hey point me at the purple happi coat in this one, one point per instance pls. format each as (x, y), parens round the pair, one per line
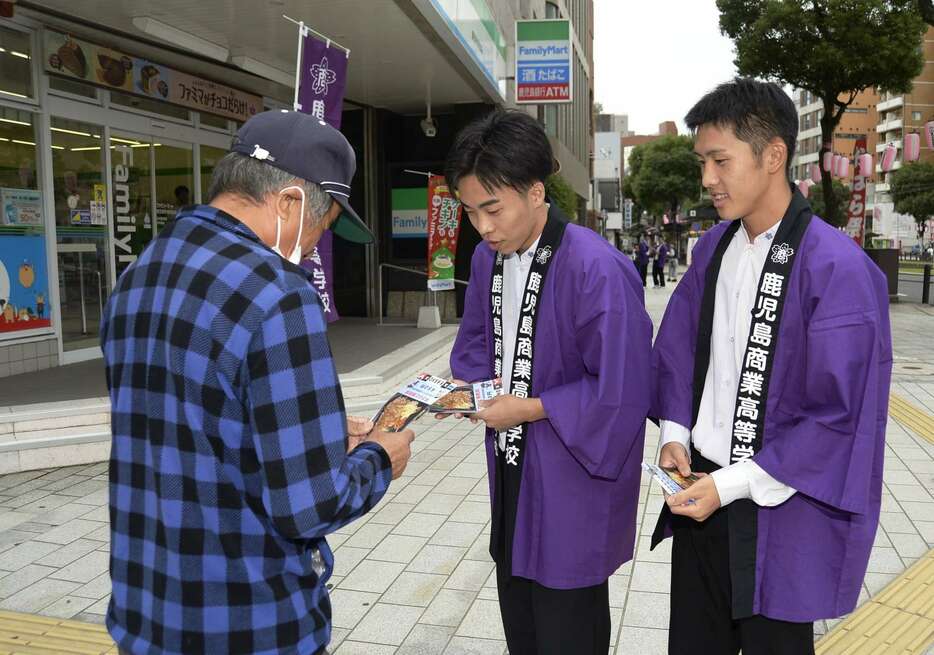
(824, 431)
(576, 510)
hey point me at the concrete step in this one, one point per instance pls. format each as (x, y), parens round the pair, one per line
(47, 435)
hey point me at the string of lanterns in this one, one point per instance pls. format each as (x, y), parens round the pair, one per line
(839, 165)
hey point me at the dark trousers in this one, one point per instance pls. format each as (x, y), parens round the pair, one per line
(701, 618)
(658, 275)
(643, 272)
(542, 621)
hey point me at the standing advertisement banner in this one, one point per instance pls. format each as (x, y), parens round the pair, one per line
(444, 212)
(544, 62)
(322, 76)
(857, 207)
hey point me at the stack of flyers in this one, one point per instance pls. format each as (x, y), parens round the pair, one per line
(670, 480)
(469, 398)
(410, 402)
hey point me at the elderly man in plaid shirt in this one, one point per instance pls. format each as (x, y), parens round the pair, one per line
(232, 458)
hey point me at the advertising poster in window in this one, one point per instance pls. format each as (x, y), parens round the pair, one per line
(24, 283)
(78, 59)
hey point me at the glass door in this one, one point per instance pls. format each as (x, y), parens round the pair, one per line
(152, 180)
(80, 198)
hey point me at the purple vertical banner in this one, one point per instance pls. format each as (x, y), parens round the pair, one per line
(319, 265)
(321, 93)
(321, 85)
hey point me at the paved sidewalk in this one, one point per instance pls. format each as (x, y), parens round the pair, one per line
(414, 576)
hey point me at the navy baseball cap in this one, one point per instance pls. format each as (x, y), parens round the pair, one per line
(312, 150)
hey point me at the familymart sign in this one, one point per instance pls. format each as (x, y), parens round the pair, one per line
(543, 61)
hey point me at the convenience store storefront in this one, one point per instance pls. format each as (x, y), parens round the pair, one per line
(89, 173)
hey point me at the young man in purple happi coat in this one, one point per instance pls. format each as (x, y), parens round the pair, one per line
(771, 373)
(558, 313)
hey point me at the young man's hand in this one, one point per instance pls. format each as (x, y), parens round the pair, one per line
(698, 501)
(675, 456)
(504, 412)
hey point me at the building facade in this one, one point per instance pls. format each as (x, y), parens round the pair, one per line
(94, 160)
(859, 120)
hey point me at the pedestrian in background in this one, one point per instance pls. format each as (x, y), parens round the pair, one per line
(658, 266)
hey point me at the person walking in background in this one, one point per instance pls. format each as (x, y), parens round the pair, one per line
(642, 260)
(672, 265)
(658, 266)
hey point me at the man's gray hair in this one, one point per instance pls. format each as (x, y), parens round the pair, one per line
(253, 179)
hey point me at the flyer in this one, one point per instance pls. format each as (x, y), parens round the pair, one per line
(670, 480)
(469, 398)
(410, 402)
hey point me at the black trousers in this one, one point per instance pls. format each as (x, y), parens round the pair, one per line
(701, 617)
(643, 272)
(658, 275)
(543, 621)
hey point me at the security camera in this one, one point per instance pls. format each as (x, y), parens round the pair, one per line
(429, 127)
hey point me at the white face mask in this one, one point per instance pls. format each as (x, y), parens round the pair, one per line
(296, 255)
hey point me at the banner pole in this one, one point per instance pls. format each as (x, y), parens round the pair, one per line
(298, 64)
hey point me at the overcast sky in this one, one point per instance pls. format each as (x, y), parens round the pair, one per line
(654, 59)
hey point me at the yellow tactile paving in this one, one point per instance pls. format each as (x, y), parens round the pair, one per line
(911, 417)
(900, 619)
(26, 634)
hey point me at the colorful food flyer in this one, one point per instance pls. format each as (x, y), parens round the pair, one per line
(410, 402)
(468, 399)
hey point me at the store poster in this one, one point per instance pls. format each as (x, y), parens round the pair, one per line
(79, 59)
(21, 206)
(24, 283)
(444, 213)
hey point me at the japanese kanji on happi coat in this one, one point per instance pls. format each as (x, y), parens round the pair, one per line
(444, 221)
(322, 69)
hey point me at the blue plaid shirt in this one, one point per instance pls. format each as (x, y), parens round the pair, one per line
(229, 459)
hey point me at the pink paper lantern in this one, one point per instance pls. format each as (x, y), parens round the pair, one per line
(843, 166)
(865, 165)
(804, 188)
(828, 161)
(888, 158)
(912, 146)
(929, 133)
(835, 165)
(815, 173)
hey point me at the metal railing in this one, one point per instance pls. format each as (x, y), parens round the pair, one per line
(433, 295)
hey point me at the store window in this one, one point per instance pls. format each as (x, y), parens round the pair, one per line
(80, 198)
(72, 87)
(152, 106)
(916, 116)
(24, 281)
(212, 120)
(15, 64)
(209, 158)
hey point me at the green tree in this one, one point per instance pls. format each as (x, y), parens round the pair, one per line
(912, 190)
(833, 48)
(841, 195)
(562, 193)
(663, 174)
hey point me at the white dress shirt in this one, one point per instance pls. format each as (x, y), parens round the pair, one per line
(515, 274)
(737, 286)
